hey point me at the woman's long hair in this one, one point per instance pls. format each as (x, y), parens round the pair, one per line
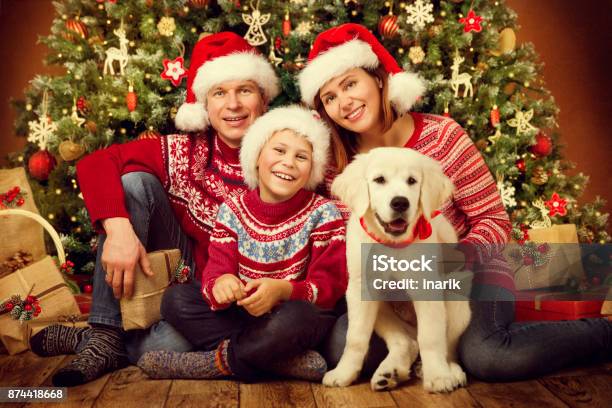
(343, 141)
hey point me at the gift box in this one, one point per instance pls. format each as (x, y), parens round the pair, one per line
(559, 306)
(43, 280)
(564, 261)
(19, 233)
(143, 308)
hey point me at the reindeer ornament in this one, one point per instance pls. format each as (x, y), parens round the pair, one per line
(458, 79)
(117, 54)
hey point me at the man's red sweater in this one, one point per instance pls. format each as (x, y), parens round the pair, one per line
(198, 172)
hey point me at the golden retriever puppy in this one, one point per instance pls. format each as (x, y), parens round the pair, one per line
(388, 190)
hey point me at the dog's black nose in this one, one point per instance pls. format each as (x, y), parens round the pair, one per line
(400, 204)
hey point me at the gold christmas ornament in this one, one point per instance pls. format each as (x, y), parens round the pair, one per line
(434, 30)
(506, 42)
(69, 150)
(166, 26)
(91, 126)
(539, 176)
(416, 54)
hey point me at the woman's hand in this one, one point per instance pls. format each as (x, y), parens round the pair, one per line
(121, 252)
(268, 293)
(228, 288)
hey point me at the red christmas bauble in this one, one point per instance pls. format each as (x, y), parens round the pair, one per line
(527, 260)
(41, 164)
(520, 164)
(199, 3)
(9, 306)
(543, 146)
(88, 288)
(387, 26)
(27, 308)
(82, 104)
(148, 134)
(75, 27)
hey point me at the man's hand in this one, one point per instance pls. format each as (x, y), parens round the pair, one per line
(267, 294)
(121, 253)
(228, 288)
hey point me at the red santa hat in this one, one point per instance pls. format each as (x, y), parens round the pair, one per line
(220, 57)
(294, 117)
(352, 46)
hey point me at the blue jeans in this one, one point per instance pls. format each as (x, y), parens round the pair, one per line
(157, 228)
(495, 348)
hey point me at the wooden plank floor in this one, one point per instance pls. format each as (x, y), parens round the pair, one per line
(584, 387)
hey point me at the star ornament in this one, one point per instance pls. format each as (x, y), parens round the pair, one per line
(174, 70)
(471, 22)
(556, 205)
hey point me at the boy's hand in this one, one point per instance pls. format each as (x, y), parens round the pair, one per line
(228, 288)
(267, 294)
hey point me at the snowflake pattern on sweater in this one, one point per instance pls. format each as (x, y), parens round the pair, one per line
(185, 168)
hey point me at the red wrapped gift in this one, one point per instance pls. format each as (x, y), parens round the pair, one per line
(84, 302)
(566, 306)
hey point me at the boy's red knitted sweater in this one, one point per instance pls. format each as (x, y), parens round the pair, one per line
(198, 171)
(300, 240)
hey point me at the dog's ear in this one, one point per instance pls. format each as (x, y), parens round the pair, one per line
(351, 186)
(436, 188)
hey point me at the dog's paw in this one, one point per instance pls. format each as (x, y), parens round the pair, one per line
(339, 377)
(443, 383)
(458, 373)
(386, 378)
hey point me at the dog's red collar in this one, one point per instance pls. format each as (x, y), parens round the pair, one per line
(422, 230)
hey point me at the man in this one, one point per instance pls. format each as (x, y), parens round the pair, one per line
(162, 193)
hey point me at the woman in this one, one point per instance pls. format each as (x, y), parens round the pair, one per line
(360, 91)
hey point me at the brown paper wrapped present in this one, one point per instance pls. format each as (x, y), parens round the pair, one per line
(565, 260)
(43, 280)
(20, 233)
(142, 309)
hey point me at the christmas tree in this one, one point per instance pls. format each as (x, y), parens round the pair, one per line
(125, 61)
